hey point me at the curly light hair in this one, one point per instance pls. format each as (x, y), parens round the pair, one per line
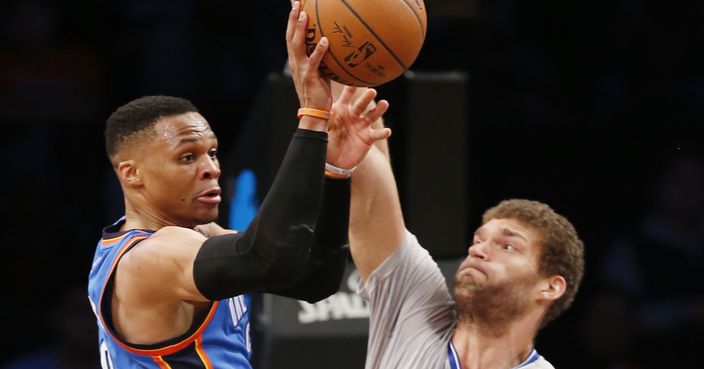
(562, 252)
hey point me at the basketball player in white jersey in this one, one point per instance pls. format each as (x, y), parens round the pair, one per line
(522, 269)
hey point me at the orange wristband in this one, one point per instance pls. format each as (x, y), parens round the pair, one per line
(332, 175)
(324, 114)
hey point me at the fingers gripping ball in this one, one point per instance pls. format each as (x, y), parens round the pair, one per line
(371, 41)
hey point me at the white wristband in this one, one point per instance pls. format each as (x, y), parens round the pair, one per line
(344, 173)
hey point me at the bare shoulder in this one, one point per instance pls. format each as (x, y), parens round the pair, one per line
(176, 236)
(165, 256)
(153, 282)
(164, 244)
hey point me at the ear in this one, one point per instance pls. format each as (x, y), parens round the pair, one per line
(552, 288)
(129, 174)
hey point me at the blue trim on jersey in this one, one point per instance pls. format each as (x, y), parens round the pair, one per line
(531, 358)
(455, 360)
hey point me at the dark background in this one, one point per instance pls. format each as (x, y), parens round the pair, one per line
(595, 107)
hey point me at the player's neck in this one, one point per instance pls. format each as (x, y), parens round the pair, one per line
(145, 217)
(484, 347)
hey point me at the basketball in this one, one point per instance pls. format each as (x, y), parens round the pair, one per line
(371, 41)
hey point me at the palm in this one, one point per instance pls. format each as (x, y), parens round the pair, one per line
(351, 134)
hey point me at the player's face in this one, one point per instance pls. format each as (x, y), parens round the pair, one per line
(502, 263)
(180, 169)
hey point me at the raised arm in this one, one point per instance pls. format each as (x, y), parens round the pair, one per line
(302, 213)
(353, 138)
(376, 222)
(182, 264)
(284, 229)
(326, 265)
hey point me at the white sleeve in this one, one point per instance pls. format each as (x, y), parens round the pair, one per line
(411, 310)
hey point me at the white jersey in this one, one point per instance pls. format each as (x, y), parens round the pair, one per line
(412, 318)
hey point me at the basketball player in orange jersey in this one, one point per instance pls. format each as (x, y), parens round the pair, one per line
(522, 269)
(166, 295)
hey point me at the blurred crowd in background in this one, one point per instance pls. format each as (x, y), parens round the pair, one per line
(595, 107)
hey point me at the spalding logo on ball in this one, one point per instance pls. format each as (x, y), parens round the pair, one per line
(371, 41)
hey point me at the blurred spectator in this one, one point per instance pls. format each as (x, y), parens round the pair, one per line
(45, 78)
(606, 333)
(658, 265)
(72, 330)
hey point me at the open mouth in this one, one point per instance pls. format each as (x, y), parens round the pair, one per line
(212, 193)
(210, 196)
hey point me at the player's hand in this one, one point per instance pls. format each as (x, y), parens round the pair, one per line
(351, 135)
(212, 229)
(313, 90)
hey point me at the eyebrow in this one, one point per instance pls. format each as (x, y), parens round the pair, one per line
(511, 233)
(191, 139)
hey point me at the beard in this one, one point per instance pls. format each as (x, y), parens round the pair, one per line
(493, 306)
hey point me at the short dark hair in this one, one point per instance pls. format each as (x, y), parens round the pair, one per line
(137, 116)
(562, 252)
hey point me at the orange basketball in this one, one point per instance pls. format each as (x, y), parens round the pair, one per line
(371, 41)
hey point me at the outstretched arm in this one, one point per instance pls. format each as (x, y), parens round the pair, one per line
(376, 222)
(329, 251)
(354, 137)
(285, 227)
(274, 250)
(376, 225)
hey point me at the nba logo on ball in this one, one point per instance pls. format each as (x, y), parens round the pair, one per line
(371, 42)
(361, 54)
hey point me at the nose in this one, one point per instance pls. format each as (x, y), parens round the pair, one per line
(210, 169)
(478, 250)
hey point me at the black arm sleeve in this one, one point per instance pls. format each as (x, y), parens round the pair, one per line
(330, 252)
(274, 251)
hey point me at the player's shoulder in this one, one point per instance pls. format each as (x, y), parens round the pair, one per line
(171, 232)
(164, 243)
(174, 235)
